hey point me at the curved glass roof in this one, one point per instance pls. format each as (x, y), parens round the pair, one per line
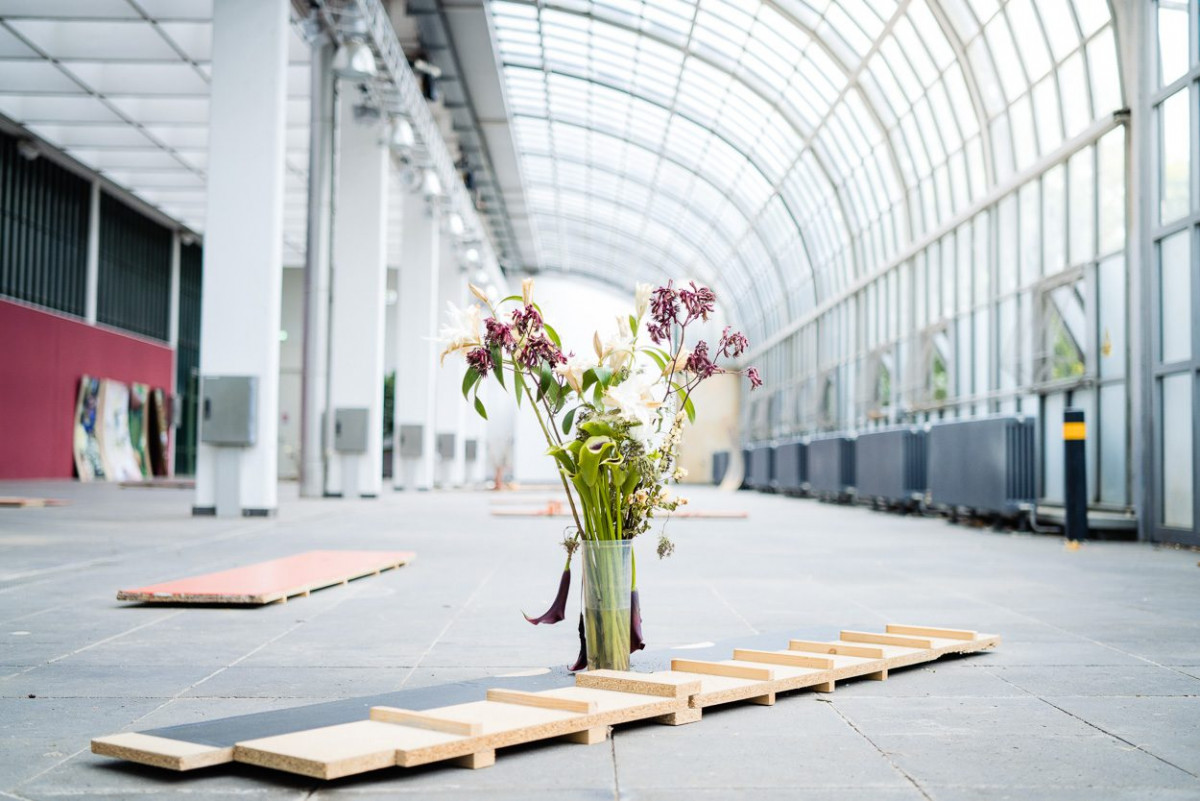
(783, 149)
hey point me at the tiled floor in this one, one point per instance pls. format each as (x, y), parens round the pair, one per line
(1095, 693)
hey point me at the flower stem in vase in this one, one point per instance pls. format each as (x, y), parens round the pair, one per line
(606, 603)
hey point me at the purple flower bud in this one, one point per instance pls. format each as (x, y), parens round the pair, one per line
(732, 345)
(480, 360)
(557, 610)
(699, 301)
(755, 381)
(699, 363)
(581, 660)
(498, 334)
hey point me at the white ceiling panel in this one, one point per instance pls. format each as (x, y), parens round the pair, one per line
(93, 136)
(49, 108)
(35, 76)
(68, 9)
(109, 78)
(126, 40)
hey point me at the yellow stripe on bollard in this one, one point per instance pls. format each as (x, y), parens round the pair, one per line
(1074, 430)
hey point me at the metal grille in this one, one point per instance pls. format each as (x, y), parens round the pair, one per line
(43, 231)
(135, 271)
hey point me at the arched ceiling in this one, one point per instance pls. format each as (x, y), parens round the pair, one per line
(782, 149)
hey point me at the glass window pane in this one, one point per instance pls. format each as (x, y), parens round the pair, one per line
(1175, 137)
(1053, 250)
(1008, 344)
(1006, 244)
(1031, 233)
(1112, 316)
(1052, 447)
(1113, 449)
(1175, 289)
(1173, 32)
(1177, 457)
(1112, 191)
(1083, 205)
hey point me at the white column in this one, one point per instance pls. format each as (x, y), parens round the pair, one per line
(92, 276)
(449, 377)
(243, 243)
(173, 313)
(417, 348)
(315, 373)
(359, 289)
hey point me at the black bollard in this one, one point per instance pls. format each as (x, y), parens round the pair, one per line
(1075, 463)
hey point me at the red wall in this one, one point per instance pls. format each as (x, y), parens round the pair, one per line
(42, 356)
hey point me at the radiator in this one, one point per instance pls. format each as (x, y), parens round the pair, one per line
(891, 465)
(720, 466)
(760, 470)
(987, 465)
(831, 465)
(791, 467)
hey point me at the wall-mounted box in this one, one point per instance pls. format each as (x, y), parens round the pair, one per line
(471, 447)
(410, 441)
(227, 410)
(350, 430)
(445, 446)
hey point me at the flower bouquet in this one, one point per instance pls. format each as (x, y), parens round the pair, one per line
(612, 422)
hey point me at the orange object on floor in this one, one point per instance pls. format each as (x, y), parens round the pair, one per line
(271, 582)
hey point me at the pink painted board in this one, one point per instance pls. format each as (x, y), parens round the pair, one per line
(272, 581)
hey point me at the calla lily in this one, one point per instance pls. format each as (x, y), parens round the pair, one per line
(636, 643)
(581, 660)
(557, 610)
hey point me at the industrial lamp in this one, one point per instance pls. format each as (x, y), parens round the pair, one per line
(354, 61)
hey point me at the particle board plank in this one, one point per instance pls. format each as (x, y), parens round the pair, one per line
(665, 684)
(407, 717)
(161, 752)
(273, 581)
(545, 701)
(886, 639)
(926, 631)
(791, 659)
(835, 648)
(751, 672)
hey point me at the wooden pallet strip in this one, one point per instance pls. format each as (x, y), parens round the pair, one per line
(407, 717)
(664, 685)
(781, 658)
(160, 752)
(542, 701)
(886, 639)
(723, 669)
(835, 648)
(926, 631)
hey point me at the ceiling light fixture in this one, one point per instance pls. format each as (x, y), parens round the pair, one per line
(354, 61)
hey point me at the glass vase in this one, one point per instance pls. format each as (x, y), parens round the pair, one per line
(606, 599)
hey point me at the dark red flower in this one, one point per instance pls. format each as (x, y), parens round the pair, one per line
(755, 381)
(699, 363)
(700, 301)
(664, 305)
(581, 660)
(498, 334)
(557, 610)
(480, 360)
(659, 333)
(732, 345)
(636, 643)
(526, 320)
(540, 349)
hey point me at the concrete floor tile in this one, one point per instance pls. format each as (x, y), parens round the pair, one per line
(1124, 680)
(997, 716)
(67, 680)
(1168, 727)
(1049, 793)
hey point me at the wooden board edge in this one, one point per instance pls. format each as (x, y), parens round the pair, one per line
(148, 749)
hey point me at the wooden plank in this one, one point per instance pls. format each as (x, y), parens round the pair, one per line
(886, 639)
(927, 631)
(406, 717)
(835, 648)
(780, 658)
(542, 701)
(722, 669)
(592, 736)
(272, 581)
(9, 502)
(664, 684)
(477, 760)
(160, 752)
(332, 752)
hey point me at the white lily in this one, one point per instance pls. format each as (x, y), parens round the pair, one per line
(461, 331)
(527, 291)
(617, 349)
(573, 371)
(635, 399)
(641, 299)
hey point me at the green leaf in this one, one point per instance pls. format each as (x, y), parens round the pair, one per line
(512, 297)
(469, 380)
(568, 420)
(689, 408)
(633, 325)
(589, 378)
(498, 360)
(479, 408)
(550, 332)
(603, 375)
(518, 385)
(545, 379)
(659, 360)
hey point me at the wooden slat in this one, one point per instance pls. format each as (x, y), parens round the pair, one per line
(776, 658)
(542, 701)
(663, 685)
(886, 639)
(161, 752)
(835, 648)
(721, 669)
(406, 717)
(927, 631)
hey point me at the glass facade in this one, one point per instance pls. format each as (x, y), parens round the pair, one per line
(1174, 276)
